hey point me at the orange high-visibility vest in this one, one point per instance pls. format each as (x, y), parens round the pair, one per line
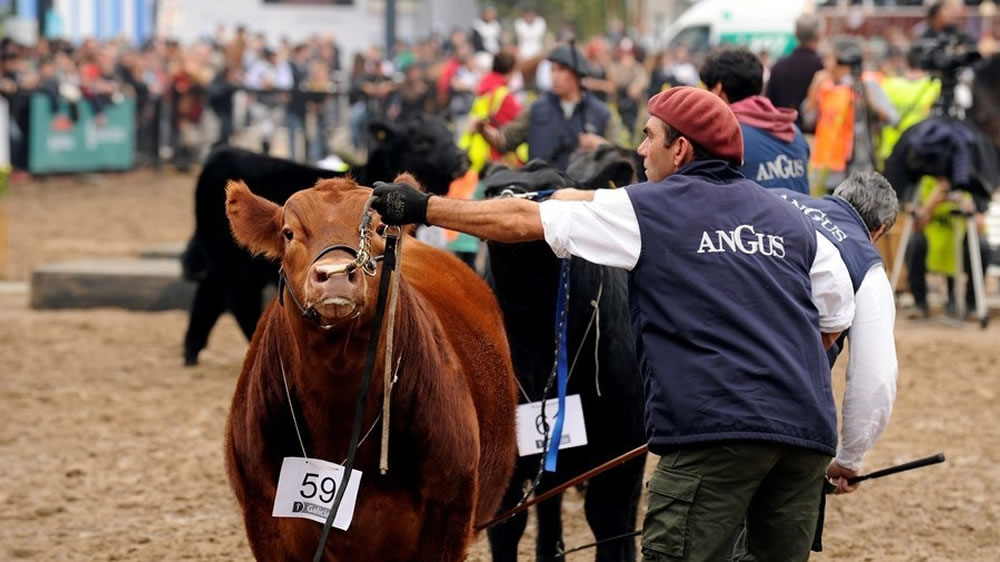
(834, 128)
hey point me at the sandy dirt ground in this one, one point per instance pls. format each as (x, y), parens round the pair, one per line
(111, 450)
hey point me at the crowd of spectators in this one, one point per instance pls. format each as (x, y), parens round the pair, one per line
(299, 87)
(172, 85)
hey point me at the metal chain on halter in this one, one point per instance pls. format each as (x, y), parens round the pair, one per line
(563, 314)
(364, 260)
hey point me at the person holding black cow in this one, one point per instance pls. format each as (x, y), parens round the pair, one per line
(560, 121)
(734, 297)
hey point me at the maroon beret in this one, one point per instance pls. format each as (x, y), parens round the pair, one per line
(703, 118)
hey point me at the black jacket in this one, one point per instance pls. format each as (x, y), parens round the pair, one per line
(790, 78)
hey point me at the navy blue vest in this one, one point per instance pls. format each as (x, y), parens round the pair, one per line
(841, 224)
(773, 163)
(552, 137)
(721, 304)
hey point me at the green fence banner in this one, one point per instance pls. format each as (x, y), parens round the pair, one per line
(778, 43)
(57, 143)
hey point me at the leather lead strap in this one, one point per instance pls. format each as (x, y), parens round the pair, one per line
(388, 268)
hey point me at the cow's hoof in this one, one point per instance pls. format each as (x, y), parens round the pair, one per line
(190, 360)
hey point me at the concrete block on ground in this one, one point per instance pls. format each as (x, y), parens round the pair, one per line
(171, 250)
(134, 284)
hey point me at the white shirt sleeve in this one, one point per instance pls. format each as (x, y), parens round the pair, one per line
(871, 369)
(832, 290)
(604, 231)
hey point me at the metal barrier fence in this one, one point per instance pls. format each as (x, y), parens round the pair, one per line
(50, 134)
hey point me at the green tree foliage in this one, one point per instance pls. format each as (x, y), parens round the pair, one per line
(586, 17)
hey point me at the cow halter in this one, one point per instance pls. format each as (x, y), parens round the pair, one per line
(363, 260)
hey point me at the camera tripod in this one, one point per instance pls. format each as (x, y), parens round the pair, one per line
(962, 211)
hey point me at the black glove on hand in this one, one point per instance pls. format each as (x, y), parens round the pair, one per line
(400, 203)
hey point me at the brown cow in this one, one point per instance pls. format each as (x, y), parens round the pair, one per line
(452, 444)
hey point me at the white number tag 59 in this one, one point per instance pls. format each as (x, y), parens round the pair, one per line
(307, 487)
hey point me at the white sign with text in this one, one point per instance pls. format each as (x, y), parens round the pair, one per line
(307, 487)
(531, 431)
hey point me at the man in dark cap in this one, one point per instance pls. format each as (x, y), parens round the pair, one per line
(734, 297)
(560, 121)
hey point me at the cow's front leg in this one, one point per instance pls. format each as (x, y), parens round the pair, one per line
(448, 524)
(611, 505)
(549, 541)
(207, 307)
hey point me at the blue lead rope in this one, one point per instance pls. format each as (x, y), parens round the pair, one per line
(562, 367)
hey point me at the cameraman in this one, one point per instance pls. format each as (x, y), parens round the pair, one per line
(849, 111)
(942, 17)
(932, 246)
(912, 93)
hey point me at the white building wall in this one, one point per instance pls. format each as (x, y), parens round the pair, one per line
(355, 27)
(659, 14)
(87, 19)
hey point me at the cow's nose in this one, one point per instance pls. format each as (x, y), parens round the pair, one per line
(333, 280)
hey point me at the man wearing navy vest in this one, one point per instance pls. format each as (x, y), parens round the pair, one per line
(859, 212)
(775, 154)
(733, 297)
(560, 121)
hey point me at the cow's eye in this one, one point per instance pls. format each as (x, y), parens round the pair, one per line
(288, 234)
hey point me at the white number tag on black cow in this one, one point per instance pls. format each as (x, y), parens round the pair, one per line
(307, 487)
(531, 432)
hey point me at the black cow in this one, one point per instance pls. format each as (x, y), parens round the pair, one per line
(525, 278)
(228, 277)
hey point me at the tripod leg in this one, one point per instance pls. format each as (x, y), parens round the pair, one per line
(908, 223)
(958, 289)
(976, 264)
(897, 262)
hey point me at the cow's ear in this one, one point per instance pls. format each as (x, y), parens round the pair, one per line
(407, 177)
(256, 222)
(381, 131)
(622, 174)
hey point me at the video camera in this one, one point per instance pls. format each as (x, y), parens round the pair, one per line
(849, 54)
(945, 53)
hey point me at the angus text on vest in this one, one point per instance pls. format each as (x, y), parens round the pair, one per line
(781, 167)
(820, 217)
(742, 239)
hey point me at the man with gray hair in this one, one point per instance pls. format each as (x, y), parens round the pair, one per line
(791, 76)
(861, 210)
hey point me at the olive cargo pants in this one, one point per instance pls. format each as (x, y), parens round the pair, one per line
(699, 495)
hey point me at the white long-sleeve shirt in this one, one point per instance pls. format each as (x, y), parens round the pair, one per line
(871, 369)
(606, 231)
